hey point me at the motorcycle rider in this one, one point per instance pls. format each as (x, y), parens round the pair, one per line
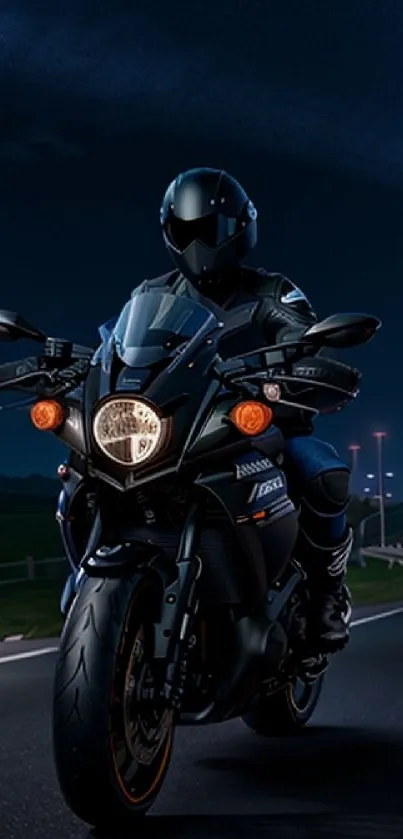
(209, 225)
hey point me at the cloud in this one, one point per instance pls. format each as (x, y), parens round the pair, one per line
(34, 144)
(301, 78)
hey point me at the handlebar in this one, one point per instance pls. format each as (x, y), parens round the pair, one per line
(40, 375)
(61, 368)
(253, 363)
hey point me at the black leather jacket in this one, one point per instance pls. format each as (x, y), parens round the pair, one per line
(284, 314)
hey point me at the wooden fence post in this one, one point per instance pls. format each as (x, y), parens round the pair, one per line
(31, 567)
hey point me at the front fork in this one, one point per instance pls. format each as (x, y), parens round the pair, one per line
(71, 483)
(173, 630)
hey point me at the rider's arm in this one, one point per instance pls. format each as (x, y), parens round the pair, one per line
(285, 315)
(286, 312)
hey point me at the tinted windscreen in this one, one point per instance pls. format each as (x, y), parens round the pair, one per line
(153, 324)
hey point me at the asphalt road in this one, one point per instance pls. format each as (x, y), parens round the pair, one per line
(343, 777)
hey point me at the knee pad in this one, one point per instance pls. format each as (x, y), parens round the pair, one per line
(328, 493)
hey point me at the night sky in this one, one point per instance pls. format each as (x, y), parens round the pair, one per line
(102, 103)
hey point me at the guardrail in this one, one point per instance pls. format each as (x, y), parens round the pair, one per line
(56, 567)
(393, 554)
(32, 569)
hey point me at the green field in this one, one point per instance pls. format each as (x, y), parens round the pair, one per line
(32, 608)
(376, 583)
(29, 534)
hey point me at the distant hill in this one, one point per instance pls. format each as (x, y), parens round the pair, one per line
(33, 494)
(13, 502)
(32, 485)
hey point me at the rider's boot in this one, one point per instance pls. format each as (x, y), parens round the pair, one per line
(330, 596)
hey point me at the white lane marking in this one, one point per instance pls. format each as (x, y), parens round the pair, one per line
(377, 617)
(31, 654)
(34, 653)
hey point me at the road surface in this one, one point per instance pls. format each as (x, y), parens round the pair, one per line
(343, 777)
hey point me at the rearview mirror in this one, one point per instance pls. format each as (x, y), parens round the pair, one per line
(13, 327)
(343, 330)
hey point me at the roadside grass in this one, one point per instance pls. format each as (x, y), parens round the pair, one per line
(31, 609)
(376, 583)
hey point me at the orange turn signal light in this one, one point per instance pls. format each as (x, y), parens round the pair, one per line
(252, 417)
(47, 415)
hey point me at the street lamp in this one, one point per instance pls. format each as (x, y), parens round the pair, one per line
(354, 448)
(379, 437)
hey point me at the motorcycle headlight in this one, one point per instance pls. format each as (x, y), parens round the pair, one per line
(129, 431)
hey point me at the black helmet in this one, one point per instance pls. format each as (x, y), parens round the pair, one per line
(208, 222)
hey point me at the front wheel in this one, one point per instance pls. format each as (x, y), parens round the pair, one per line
(112, 739)
(286, 711)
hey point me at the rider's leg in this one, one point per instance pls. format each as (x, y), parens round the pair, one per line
(320, 481)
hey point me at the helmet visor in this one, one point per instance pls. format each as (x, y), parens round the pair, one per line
(211, 230)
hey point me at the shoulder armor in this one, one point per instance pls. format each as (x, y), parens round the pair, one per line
(286, 297)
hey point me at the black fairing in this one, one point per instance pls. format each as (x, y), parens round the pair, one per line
(163, 349)
(196, 393)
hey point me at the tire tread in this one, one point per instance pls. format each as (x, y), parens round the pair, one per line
(89, 644)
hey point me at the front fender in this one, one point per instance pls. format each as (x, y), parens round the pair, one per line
(119, 560)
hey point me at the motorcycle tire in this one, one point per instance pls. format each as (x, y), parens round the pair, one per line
(287, 711)
(112, 746)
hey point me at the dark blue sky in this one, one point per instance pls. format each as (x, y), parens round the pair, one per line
(101, 103)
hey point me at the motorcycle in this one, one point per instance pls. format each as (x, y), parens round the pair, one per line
(172, 614)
